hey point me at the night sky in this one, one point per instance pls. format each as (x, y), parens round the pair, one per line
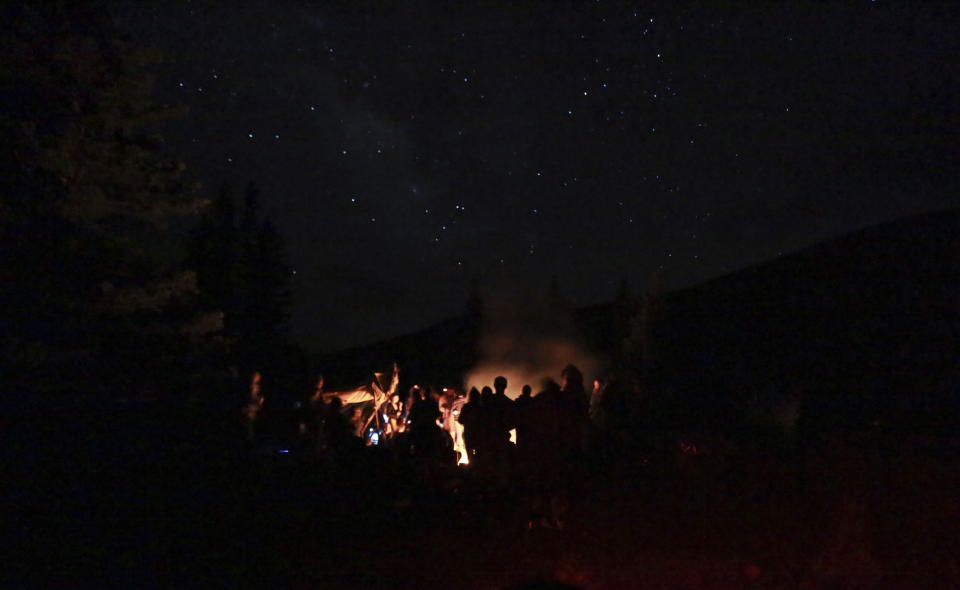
(407, 150)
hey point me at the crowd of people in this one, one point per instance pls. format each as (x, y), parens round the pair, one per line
(534, 441)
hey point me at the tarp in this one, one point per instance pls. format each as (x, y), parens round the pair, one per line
(378, 390)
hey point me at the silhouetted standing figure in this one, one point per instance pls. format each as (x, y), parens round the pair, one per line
(392, 412)
(572, 387)
(502, 421)
(544, 464)
(470, 419)
(337, 428)
(559, 424)
(423, 423)
(254, 406)
(578, 401)
(544, 425)
(521, 411)
(339, 443)
(485, 432)
(596, 403)
(596, 439)
(413, 396)
(313, 416)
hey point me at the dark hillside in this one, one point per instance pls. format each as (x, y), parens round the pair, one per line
(864, 327)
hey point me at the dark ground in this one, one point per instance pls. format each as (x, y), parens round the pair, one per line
(108, 507)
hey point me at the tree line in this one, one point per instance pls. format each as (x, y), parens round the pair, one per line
(119, 279)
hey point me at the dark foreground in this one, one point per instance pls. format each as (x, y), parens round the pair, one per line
(117, 510)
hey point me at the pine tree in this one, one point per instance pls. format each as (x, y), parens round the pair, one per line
(215, 253)
(263, 291)
(243, 275)
(95, 288)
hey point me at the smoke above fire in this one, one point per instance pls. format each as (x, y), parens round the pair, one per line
(527, 340)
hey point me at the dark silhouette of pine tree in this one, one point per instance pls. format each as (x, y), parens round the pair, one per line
(215, 250)
(250, 216)
(244, 275)
(263, 288)
(97, 296)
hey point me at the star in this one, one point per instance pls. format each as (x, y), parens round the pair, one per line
(408, 115)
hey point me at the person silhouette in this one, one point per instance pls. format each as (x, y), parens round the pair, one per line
(469, 418)
(254, 405)
(502, 420)
(560, 419)
(338, 432)
(521, 413)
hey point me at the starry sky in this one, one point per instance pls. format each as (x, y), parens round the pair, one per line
(408, 150)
